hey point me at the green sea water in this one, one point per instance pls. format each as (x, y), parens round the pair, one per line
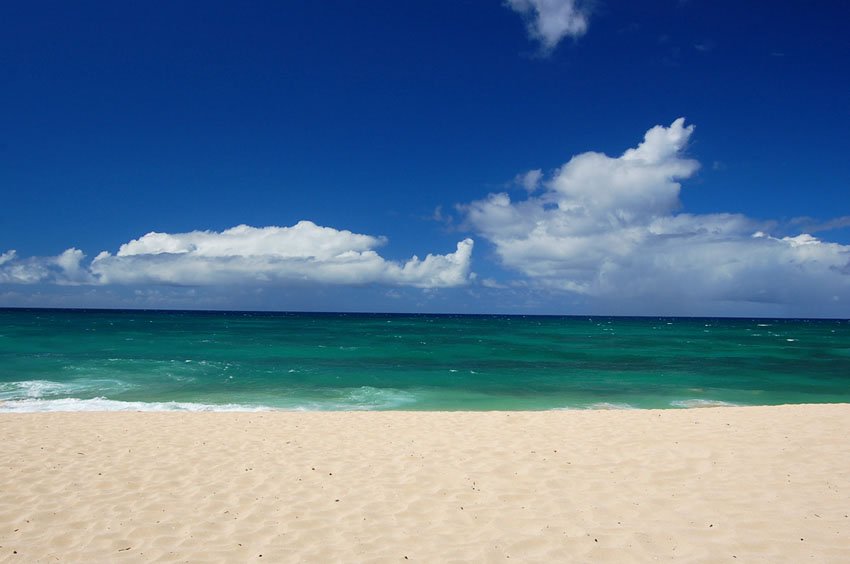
(64, 360)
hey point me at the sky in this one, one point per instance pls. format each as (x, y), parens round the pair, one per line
(674, 157)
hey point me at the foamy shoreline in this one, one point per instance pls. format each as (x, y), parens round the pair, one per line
(744, 484)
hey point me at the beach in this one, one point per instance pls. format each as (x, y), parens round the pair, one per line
(741, 484)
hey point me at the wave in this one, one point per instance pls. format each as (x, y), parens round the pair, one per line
(598, 405)
(99, 394)
(609, 405)
(46, 395)
(692, 403)
(365, 398)
(103, 404)
(34, 389)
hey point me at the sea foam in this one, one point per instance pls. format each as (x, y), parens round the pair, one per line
(33, 389)
(365, 398)
(103, 404)
(609, 405)
(691, 403)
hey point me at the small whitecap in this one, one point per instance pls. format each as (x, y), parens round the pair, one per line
(29, 389)
(367, 398)
(609, 405)
(36, 389)
(692, 403)
(103, 404)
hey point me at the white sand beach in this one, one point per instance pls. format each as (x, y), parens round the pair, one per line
(752, 484)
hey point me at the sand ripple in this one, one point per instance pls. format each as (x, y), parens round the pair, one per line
(744, 484)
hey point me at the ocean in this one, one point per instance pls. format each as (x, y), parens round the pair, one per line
(76, 360)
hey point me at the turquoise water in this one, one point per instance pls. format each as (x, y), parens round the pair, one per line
(114, 360)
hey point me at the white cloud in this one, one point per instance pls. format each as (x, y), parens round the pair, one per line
(609, 228)
(529, 180)
(16, 271)
(549, 21)
(303, 240)
(304, 252)
(65, 269)
(8, 256)
(71, 269)
(492, 284)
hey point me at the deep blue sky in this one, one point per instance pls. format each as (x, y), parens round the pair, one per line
(120, 119)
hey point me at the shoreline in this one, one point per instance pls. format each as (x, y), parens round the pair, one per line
(105, 405)
(768, 483)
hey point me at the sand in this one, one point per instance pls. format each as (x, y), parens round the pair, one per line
(756, 484)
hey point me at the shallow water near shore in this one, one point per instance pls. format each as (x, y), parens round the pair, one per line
(71, 360)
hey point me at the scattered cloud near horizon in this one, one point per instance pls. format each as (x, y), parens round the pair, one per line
(549, 21)
(610, 228)
(602, 229)
(305, 252)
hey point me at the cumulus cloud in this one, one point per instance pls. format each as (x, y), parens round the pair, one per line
(13, 270)
(529, 180)
(304, 252)
(549, 21)
(71, 270)
(611, 227)
(8, 256)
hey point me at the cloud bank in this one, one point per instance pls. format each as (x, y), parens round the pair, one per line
(603, 233)
(549, 21)
(610, 228)
(304, 252)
